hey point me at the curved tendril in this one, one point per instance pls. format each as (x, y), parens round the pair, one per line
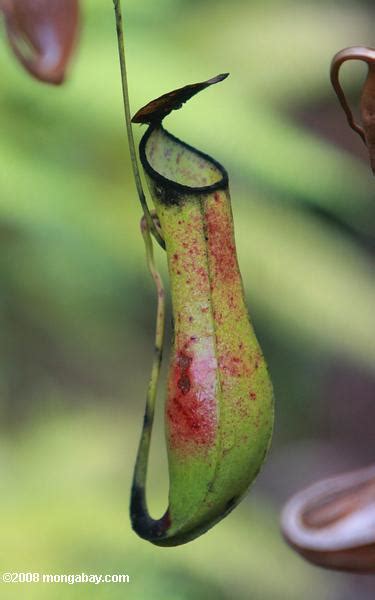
(138, 505)
(367, 55)
(125, 95)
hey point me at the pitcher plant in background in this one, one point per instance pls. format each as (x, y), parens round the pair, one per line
(332, 523)
(219, 408)
(367, 104)
(42, 35)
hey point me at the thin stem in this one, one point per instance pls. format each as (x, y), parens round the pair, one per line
(125, 95)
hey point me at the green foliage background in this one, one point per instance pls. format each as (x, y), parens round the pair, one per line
(77, 305)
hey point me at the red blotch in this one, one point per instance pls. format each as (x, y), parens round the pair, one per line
(184, 384)
(190, 407)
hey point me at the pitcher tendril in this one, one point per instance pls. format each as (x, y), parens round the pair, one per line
(138, 496)
(125, 96)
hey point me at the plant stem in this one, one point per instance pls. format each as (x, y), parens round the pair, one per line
(125, 95)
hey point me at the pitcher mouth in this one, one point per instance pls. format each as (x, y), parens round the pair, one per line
(173, 164)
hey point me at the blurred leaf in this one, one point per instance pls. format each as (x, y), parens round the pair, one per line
(308, 279)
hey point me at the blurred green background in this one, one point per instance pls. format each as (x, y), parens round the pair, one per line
(77, 304)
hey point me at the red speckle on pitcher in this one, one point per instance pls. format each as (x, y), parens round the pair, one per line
(220, 240)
